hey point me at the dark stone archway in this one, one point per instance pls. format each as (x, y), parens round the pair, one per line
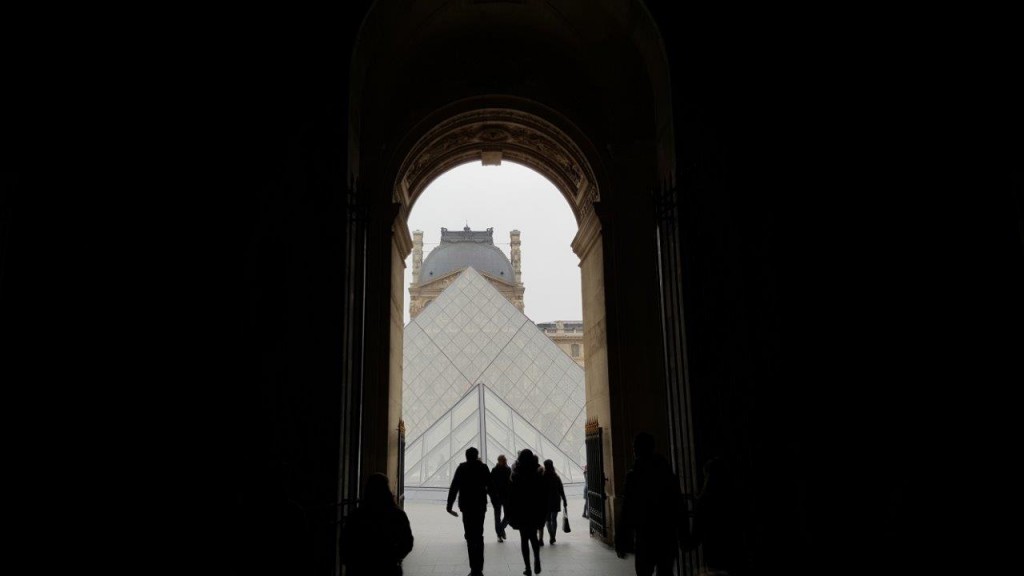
(772, 190)
(608, 151)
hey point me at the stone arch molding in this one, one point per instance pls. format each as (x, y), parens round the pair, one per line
(490, 136)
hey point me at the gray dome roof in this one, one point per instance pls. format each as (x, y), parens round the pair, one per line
(449, 257)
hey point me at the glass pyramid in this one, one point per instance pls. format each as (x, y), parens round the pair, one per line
(476, 367)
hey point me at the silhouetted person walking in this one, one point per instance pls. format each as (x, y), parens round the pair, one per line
(376, 536)
(470, 484)
(651, 511)
(527, 506)
(586, 494)
(555, 498)
(498, 489)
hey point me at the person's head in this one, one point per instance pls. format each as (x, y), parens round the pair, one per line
(502, 461)
(643, 445)
(549, 467)
(526, 459)
(378, 491)
(472, 454)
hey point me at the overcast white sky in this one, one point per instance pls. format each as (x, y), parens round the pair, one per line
(508, 197)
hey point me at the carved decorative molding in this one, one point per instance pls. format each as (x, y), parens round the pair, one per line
(402, 238)
(587, 236)
(500, 134)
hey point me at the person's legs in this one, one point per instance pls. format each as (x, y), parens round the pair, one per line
(536, 543)
(498, 528)
(473, 524)
(644, 566)
(666, 564)
(525, 547)
(504, 522)
(645, 560)
(552, 525)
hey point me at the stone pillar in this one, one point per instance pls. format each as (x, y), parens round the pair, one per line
(682, 444)
(517, 257)
(400, 247)
(417, 255)
(415, 303)
(387, 245)
(588, 245)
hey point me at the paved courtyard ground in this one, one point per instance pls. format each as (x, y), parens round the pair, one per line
(440, 549)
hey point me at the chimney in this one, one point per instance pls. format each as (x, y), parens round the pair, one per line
(517, 257)
(417, 255)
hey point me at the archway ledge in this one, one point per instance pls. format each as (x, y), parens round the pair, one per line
(494, 134)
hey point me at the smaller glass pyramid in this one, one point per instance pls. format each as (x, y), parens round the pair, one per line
(431, 458)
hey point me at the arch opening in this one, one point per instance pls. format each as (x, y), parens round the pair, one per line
(579, 93)
(513, 229)
(492, 136)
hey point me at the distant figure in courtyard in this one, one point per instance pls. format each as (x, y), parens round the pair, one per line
(586, 494)
(651, 510)
(540, 531)
(376, 536)
(714, 517)
(470, 484)
(498, 490)
(527, 506)
(555, 496)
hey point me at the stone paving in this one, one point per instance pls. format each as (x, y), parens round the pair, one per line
(440, 548)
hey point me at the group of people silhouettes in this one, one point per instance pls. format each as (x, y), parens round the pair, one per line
(528, 496)
(525, 496)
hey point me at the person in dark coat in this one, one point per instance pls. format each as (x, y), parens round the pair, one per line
(556, 501)
(586, 494)
(376, 536)
(651, 511)
(470, 484)
(527, 506)
(498, 490)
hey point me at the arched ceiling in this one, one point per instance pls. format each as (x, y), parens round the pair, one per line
(493, 135)
(598, 63)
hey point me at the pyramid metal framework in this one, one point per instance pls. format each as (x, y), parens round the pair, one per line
(476, 367)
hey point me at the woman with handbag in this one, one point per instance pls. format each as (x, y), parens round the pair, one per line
(555, 499)
(527, 505)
